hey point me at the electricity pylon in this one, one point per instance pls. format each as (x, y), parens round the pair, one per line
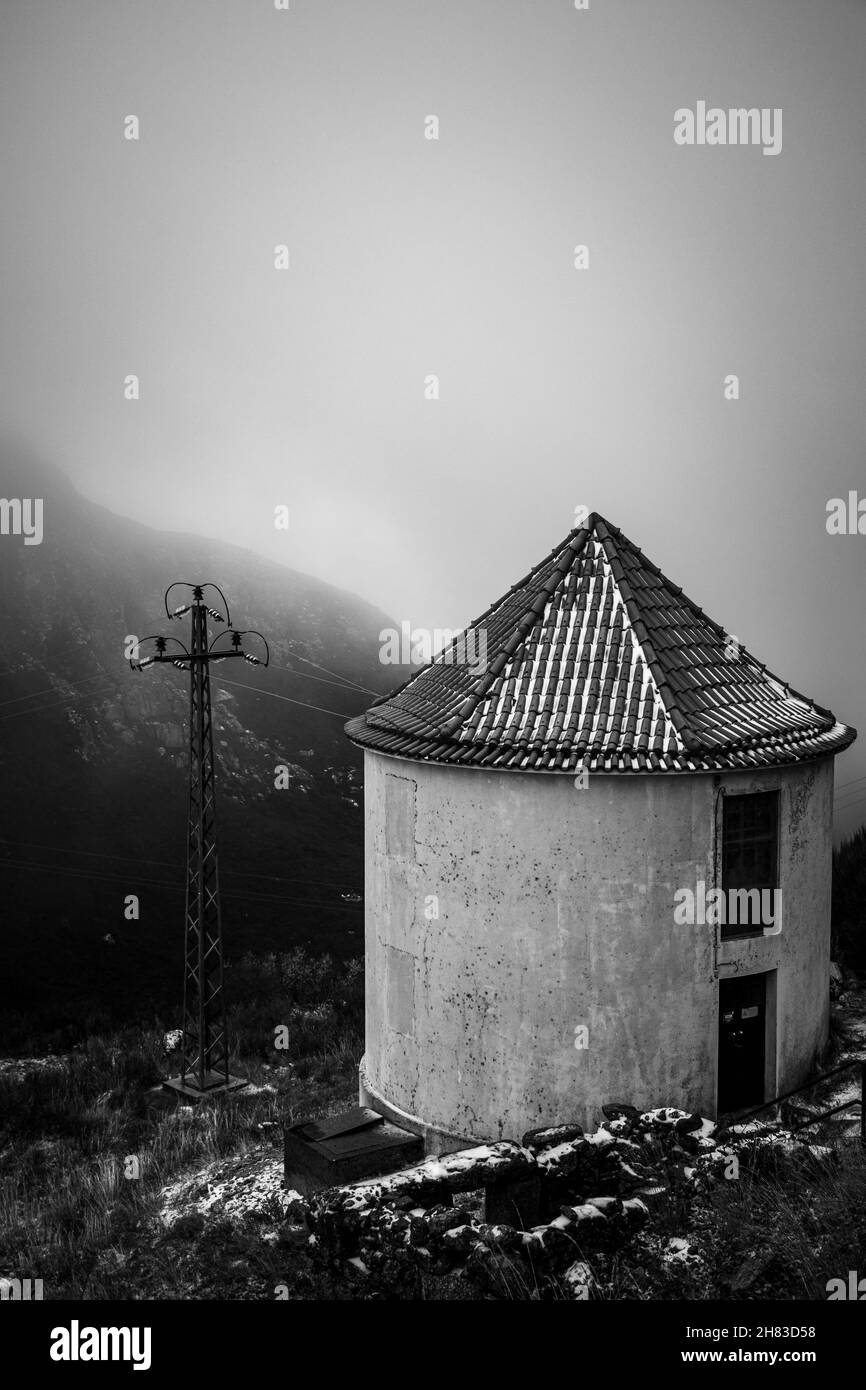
(205, 1051)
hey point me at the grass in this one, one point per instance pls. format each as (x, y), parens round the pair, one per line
(809, 1228)
(75, 1135)
(767, 1236)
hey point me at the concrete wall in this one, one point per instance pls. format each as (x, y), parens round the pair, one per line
(555, 913)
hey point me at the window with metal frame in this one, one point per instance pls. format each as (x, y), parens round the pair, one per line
(750, 855)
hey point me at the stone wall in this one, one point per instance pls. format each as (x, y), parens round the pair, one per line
(504, 1215)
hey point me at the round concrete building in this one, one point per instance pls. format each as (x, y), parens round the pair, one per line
(598, 860)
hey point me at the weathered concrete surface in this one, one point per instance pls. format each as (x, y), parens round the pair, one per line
(556, 912)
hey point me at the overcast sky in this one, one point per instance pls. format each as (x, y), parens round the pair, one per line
(559, 387)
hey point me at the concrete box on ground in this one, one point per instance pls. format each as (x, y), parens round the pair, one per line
(344, 1148)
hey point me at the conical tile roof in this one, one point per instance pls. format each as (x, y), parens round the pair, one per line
(596, 659)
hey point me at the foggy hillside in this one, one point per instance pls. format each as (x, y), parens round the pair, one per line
(93, 756)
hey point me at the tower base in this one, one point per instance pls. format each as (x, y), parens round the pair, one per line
(215, 1085)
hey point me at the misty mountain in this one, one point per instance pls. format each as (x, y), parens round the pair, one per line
(93, 757)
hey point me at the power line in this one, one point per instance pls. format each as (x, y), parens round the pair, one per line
(49, 690)
(240, 685)
(171, 887)
(297, 657)
(87, 873)
(856, 794)
(851, 783)
(306, 676)
(16, 714)
(287, 670)
(175, 864)
(338, 714)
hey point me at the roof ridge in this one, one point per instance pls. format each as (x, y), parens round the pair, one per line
(680, 593)
(641, 634)
(582, 534)
(574, 542)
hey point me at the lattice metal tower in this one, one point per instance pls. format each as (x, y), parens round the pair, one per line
(205, 1049)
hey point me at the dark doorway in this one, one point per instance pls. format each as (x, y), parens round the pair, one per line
(742, 1041)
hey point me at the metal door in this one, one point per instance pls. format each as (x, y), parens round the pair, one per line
(742, 1041)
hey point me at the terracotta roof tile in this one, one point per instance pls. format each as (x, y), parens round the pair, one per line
(595, 657)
